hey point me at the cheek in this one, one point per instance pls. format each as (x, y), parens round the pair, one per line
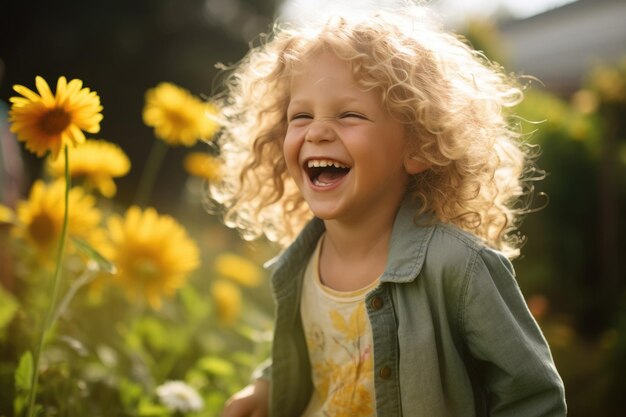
(291, 150)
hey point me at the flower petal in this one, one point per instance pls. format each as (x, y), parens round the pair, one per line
(44, 91)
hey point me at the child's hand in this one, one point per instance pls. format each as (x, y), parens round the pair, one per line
(252, 401)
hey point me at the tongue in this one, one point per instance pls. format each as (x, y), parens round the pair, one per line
(329, 176)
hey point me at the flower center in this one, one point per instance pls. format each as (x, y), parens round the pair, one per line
(178, 119)
(54, 121)
(146, 269)
(42, 229)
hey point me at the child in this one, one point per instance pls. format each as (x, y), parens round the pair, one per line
(383, 139)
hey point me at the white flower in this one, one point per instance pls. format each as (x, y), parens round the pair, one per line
(178, 396)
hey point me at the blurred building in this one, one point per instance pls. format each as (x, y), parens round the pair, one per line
(562, 44)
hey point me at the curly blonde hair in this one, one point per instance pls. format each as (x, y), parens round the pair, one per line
(450, 97)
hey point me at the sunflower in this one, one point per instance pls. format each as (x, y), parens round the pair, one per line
(227, 298)
(152, 252)
(97, 161)
(47, 122)
(178, 117)
(202, 165)
(40, 218)
(238, 268)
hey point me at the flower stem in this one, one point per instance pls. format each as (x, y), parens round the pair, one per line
(150, 171)
(50, 316)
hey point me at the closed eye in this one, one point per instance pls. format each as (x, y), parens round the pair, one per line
(300, 116)
(353, 114)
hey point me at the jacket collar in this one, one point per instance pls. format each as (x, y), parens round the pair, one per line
(409, 241)
(407, 248)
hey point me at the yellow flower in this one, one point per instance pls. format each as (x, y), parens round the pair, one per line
(47, 122)
(97, 161)
(6, 214)
(227, 297)
(202, 165)
(40, 218)
(177, 117)
(238, 268)
(610, 83)
(585, 101)
(152, 252)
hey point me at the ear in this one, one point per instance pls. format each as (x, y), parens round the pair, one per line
(413, 165)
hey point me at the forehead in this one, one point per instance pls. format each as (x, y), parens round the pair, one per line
(322, 69)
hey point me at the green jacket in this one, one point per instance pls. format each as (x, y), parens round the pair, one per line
(452, 333)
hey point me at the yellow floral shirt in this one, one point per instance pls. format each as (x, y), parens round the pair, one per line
(339, 339)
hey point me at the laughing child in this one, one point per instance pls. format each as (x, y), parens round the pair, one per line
(378, 150)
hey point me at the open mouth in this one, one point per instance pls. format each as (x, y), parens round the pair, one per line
(325, 172)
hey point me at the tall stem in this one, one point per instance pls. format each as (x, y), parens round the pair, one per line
(150, 172)
(50, 316)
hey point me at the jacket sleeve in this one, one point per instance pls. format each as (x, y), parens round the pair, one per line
(501, 334)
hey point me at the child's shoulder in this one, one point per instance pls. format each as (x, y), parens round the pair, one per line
(438, 249)
(457, 265)
(454, 251)
(454, 237)
(453, 241)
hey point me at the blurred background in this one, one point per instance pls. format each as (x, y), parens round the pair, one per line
(573, 268)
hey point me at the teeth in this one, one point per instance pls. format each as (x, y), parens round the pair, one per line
(322, 163)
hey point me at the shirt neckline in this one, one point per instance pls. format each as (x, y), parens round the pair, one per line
(337, 295)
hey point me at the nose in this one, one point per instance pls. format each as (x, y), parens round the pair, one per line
(320, 130)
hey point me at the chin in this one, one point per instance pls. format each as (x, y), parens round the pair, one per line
(324, 213)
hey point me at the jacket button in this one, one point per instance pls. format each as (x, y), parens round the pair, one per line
(385, 372)
(376, 303)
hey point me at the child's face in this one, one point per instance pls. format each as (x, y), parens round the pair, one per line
(344, 151)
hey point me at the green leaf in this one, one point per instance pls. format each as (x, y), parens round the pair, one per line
(149, 409)
(253, 334)
(23, 382)
(130, 392)
(194, 304)
(216, 366)
(8, 307)
(243, 358)
(196, 378)
(24, 372)
(19, 404)
(155, 334)
(103, 263)
(214, 401)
